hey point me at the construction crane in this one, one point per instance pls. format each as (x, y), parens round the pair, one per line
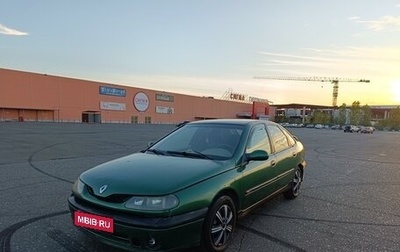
(334, 81)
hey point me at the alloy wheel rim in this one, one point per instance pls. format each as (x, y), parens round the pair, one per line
(296, 182)
(222, 226)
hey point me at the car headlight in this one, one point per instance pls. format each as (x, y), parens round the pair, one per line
(79, 186)
(152, 203)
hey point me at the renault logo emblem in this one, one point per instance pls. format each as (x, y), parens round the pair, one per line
(103, 188)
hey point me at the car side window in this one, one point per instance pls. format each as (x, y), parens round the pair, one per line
(278, 138)
(289, 137)
(258, 140)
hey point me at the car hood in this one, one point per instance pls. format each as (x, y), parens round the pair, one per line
(150, 174)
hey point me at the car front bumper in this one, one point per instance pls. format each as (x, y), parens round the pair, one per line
(137, 233)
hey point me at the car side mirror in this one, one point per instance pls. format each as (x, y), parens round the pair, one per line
(257, 155)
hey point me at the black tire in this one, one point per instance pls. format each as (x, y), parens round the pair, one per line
(294, 185)
(219, 225)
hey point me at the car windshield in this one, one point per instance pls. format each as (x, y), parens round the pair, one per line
(205, 141)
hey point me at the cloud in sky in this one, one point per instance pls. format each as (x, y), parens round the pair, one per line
(8, 31)
(354, 18)
(353, 61)
(386, 23)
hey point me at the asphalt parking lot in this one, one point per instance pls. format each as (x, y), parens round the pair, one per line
(349, 199)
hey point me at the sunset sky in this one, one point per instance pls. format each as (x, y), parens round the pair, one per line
(206, 48)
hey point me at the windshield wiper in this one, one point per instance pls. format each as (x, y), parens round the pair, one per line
(191, 153)
(156, 151)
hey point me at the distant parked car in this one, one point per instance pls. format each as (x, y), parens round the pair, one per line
(367, 130)
(351, 128)
(319, 126)
(355, 128)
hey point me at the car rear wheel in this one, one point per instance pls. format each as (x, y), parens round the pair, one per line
(294, 186)
(219, 225)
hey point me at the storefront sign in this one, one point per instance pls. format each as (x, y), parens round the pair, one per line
(240, 97)
(112, 91)
(141, 102)
(164, 97)
(112, 106)
(164, 110)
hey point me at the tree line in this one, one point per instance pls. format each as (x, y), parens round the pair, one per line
(358, 115)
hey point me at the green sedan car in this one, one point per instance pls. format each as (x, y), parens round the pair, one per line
(188, 188)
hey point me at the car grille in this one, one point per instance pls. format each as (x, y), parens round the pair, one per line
(113, 198)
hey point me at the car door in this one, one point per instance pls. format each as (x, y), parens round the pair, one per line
(258, 176)
(285, 153)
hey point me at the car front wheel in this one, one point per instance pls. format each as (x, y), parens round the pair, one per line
(219, 225)
(294, 186)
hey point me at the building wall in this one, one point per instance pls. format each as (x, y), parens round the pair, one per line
(40, 97)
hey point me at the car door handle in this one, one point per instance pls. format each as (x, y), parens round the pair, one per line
(273, 163)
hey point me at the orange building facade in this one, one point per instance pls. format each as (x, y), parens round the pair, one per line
(28, 96)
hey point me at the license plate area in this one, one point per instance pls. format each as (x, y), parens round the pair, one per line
(95, 222)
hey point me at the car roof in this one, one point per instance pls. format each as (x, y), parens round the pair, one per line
(231, 121)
